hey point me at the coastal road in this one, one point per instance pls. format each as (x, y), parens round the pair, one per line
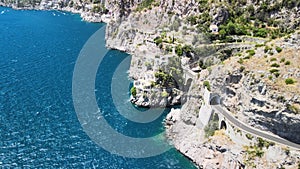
(254, 131)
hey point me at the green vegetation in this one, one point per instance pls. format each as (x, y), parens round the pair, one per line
(247, 57)
(145, 4)
(256, 150)
(270, 77)
(164, 94)
(275, 65)
(277, 74)
(289, 81)
(274, 70)
(278, 49)
(185, 50)
(98, 7)
(273, 59)
(252, 152)
(282, 60)
(261, 32)
(243, 20)
(242, 68)
(133, 91)
(281, 99)
(207, 85)
(212, 126)
(164, 79)
(178, 50)
(267, 49)
(251, 52)
(259, 45)
(264, 143)
(158, 40)
(249, 136)
(241, 61)
(287, 63)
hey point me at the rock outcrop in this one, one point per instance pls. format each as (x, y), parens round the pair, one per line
(257, 96)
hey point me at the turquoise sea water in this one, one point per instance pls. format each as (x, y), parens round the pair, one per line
(38, 125)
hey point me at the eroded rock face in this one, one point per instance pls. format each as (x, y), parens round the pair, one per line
(255, 103)
(182, 128)
(221, 16)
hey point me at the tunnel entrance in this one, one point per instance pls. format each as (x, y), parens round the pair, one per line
(215, 100)
(223, 125)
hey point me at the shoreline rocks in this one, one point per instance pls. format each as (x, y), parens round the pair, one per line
(85, 15)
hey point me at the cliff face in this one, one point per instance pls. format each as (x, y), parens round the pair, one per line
(251, 98)
(259, 96)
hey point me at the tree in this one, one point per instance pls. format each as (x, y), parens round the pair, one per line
(179, 50)
(230, 28)
(261, 32)
(222, 34)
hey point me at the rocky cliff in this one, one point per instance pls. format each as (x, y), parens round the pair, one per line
(155, 32)
(256, 89)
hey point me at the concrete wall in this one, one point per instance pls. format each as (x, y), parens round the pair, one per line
(205, 110)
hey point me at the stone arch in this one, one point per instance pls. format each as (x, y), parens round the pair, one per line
(215, 99)
(223, 125)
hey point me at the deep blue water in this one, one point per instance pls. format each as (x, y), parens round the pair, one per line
(38, 123)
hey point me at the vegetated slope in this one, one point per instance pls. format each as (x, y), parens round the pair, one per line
(261, 86)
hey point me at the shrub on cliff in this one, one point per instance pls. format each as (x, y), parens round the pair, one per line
(212, 125)
(158, 40)
(144, 5)
(289, 81)
(251, 52)
(278, 49)
(133, 91)
(207, 85)
(179, 50)
(287, 63)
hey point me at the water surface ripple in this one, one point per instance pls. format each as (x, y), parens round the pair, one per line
(38, 125)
